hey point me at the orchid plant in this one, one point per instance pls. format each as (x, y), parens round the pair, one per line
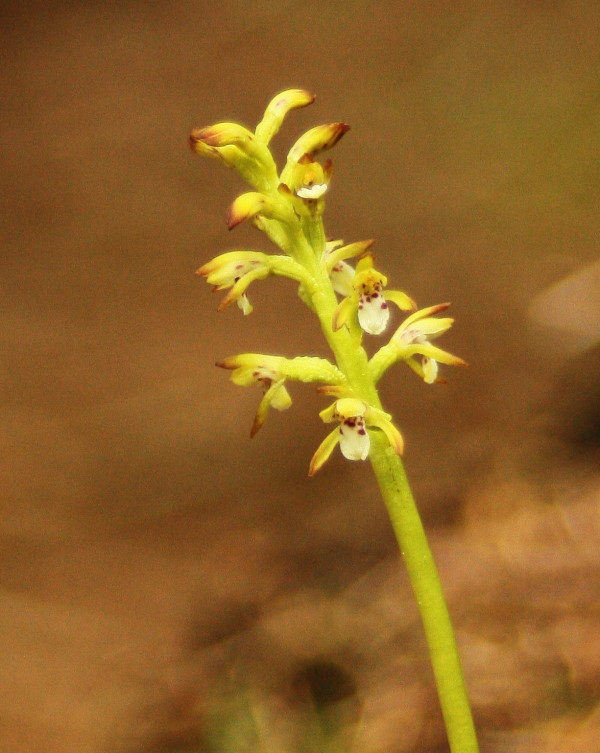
(350, 301)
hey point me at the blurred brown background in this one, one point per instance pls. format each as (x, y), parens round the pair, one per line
(169, 585)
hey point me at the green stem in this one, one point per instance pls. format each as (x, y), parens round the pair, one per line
(406, 522)
(427, 588)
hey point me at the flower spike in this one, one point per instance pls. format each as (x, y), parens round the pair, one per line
(287, 207)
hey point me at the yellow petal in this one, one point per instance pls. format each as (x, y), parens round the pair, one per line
(342, 313)
(431, 351)
(394, 437)
(341, 252)
(403, 301)
(365, 262)
(348, 407)
(422, 313)
(380, 419)
(275, 397)
(324, 450)
(240, 287)
(327, 415)
(222, 270)
(261, 415)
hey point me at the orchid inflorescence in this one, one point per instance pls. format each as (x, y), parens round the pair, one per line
(288, 207)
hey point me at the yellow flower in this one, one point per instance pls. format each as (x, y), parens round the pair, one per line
(412, 338)
(353, 416)
(251, 368)
(340, 272)
(411, 343)
(238, 269)
(271, 372)
(308, 182)
(305, 179)
(364, 291)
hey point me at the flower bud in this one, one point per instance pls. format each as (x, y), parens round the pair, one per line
(222, 134)
(318, 139)
(237, 147)
(278, 108)
(250, 204)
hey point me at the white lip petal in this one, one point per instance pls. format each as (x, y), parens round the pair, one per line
(312, 192)
(430, 369)
(244, 304)
(281, 399)
(373, 314)
(354, 439)
(342, 275)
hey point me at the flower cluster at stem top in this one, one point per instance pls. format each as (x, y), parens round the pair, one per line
(288, 207)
